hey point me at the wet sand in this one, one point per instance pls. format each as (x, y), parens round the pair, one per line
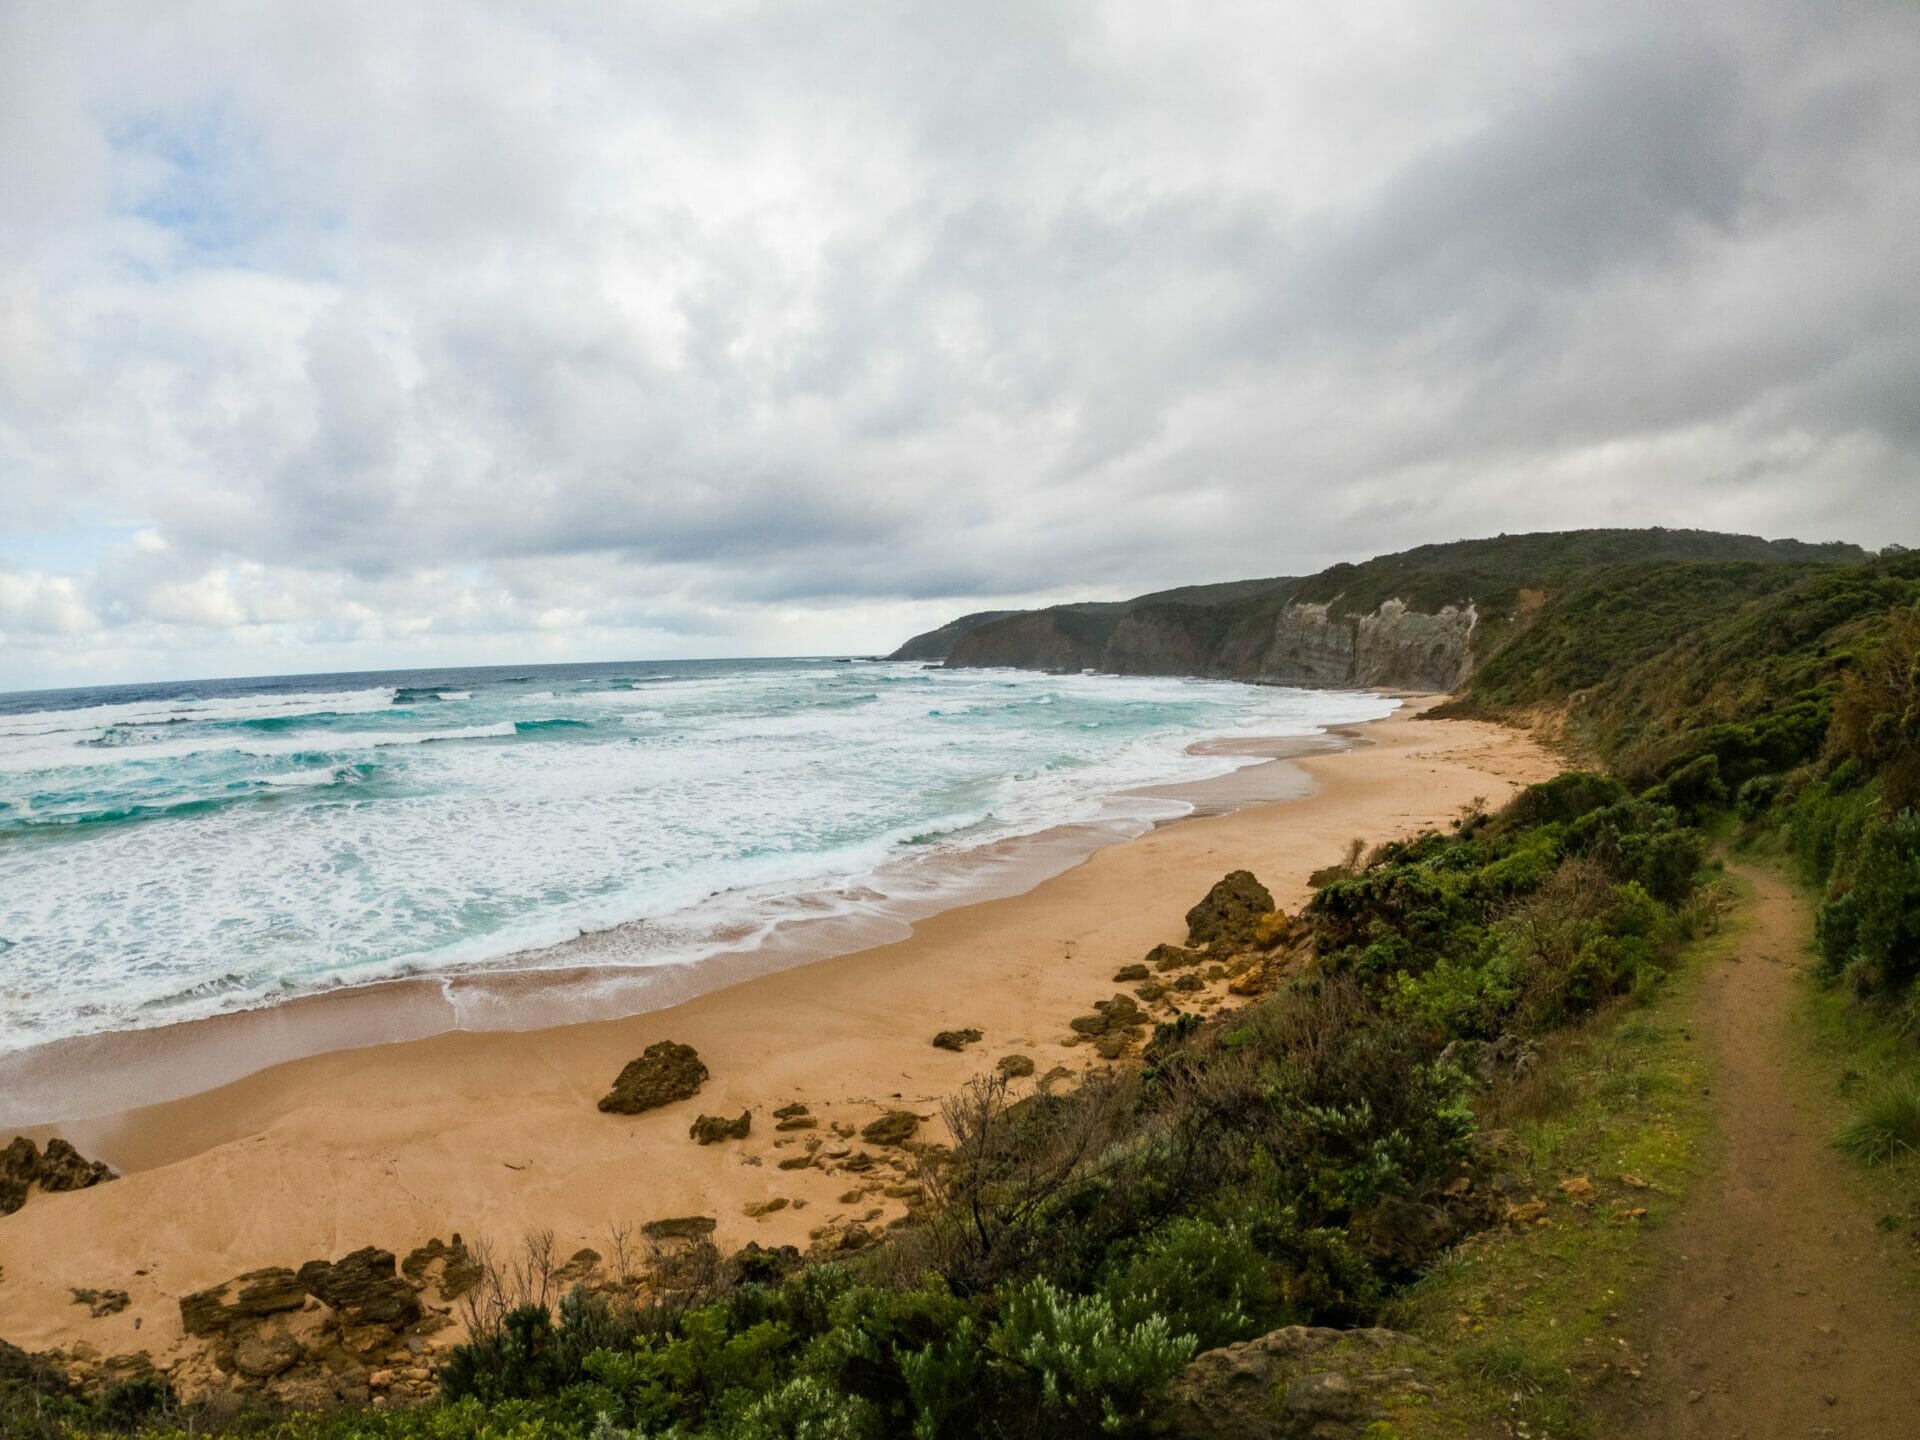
(495, 1134)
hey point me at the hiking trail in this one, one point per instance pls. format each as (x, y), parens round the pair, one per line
(1778, 1309)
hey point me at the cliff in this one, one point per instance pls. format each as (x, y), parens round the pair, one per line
(1421, 619)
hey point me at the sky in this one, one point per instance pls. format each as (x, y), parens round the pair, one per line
(358, 335)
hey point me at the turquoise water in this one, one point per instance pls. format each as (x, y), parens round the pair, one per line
(173, 851)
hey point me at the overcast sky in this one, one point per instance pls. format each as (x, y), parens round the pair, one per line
(352, 335)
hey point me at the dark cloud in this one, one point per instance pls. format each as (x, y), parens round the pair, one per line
(772, 328)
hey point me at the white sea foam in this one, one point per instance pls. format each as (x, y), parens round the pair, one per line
(373, 839)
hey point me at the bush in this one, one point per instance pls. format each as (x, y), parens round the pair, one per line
(1208, 1280)
(526, 1354)
(1562, 799)
(1886, 899)
(913, 1355)
(1693, 788)
(805, 1408)
(520, 1357)
(1079, 1370)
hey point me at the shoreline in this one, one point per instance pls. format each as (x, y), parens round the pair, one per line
(62, 1085)
(496, 1135)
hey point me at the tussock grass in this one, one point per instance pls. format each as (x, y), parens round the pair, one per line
(1885, 1126)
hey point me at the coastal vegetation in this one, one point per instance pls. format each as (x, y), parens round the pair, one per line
(1419, 619)
(1299, 1160)
(1459, 1070)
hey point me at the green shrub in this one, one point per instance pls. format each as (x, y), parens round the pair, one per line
(1564, 798)
(1208, 1280)
(1077, 1368)
(521, 1356)
(1693, 788)
(804, 1408)
(1756, 797)
(913, 1355)
(1886, 897)
(1463, 1000)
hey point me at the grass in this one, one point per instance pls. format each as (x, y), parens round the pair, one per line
(1885, 1125)
(1528, 1322)
(1869, 1074)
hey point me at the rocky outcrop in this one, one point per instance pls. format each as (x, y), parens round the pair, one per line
(896, 1127)
(956, 1039)
(458, 1269)
(331, 1332)
(712, 1129)
(1228, 917)
(1299, 1383)
(60, 1168)
(1322, 644)
(364, 1288)
(1392, 648)
(664, 1073)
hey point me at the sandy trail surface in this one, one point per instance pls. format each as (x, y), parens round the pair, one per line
(495, 1135)
(1780, 1309)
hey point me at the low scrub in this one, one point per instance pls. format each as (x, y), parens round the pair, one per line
(1296, 1160)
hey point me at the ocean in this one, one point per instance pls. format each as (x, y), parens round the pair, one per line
(177, 850)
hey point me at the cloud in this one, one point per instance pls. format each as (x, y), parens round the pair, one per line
(480, 331)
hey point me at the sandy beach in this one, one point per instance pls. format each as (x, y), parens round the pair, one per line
(496, 1134)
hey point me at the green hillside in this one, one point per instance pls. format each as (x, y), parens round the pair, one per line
(1790, 696)
(1227, 631)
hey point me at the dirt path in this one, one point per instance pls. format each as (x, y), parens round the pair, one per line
(1781, 1310)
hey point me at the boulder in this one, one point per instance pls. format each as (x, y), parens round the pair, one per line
(1015, 1067)
(1297, 1383)
(664, 1073)
(269, 1291)
(266, 1353)
(1270, 929)
(681, 1227)
(459, 1270)
(789, 1112)
(1229, 917)
(364, 1288)
(61, 1168)
(1127, 974)
(1488, 1060)
(19, 1165)
(956, 1040)
(712, 1129)
(1171, 957)
(896, 1127)
(65, 1168)
(205, 1313)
